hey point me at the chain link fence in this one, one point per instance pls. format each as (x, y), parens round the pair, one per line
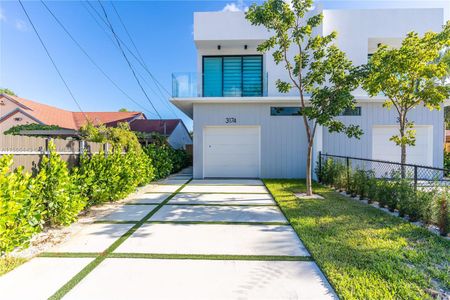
(421, 177)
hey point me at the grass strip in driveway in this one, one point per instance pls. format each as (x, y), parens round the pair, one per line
(217, 223)
(218, 204)
(210, 256)
(364, 252)
(99, 259)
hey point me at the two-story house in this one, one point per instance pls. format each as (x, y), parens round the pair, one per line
(243, 127)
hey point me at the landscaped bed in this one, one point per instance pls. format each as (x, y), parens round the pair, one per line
(365, 253)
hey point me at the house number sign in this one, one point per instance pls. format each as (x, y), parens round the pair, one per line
(230, 120)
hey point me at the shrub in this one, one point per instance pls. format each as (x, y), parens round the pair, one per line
(372, 186)
(160, 156)
(406, 201)
(57, 191)
(443, 213)
(425, 201)
(21, 215)
(180, 159)
(360, 181)
(386, 194)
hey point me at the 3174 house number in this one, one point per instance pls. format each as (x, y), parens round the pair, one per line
(230, 120)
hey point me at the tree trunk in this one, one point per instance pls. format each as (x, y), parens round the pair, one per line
(309, 191)
(402, 149)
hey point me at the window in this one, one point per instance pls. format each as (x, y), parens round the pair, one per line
(352, 112)
(285, 111)
(232, 76)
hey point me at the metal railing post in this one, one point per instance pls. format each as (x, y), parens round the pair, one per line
(320, 167)
(415, 178)
(347, 161)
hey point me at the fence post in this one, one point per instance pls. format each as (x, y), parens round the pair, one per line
(105, 149)
(47, 150)
(415, 178)
(347, 161)
(320, 167)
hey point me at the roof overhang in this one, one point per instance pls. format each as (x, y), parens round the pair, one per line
(186, 105)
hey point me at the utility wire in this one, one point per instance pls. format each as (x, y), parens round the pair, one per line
(129, 50)
(92, 60)
(51, 59)
(126, 58)
(140, 56)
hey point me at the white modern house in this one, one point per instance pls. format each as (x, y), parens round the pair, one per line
(243, 127)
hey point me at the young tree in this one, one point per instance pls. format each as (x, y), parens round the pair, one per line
(317, 67)
(7, 92)
(410, 76)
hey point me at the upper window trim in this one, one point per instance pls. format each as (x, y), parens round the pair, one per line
(232, 55)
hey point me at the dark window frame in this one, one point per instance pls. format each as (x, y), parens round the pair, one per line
(242, 73)
(356, 112)
(274, 113)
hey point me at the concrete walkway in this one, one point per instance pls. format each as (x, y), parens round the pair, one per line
(208, 239)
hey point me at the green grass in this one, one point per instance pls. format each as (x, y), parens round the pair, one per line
(364, 252)
(7, 263)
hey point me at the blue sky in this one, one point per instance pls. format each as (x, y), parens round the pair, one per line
(162, 31)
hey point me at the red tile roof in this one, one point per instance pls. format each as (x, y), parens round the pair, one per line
(150, 126)
(51, 115)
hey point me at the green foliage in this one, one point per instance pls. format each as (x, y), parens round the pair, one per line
(120, 137)
(15, 130)
(57, 190)
(7, 92)
(410, 76)
(20, 212)
(393, 191)
(318, 68)
(103, 178)
(160, 155)
(364, 252)
(447, 162)
(443, 218)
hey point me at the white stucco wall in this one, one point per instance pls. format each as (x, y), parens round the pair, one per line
(374, 114)
(283, 146)
(179, 137)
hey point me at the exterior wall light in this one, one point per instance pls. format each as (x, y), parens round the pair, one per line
(218, 47)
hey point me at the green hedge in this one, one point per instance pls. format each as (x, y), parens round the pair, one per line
(166, 160)
(395, 193)
(56, 195)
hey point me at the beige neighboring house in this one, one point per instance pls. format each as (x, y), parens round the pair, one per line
(19, 111)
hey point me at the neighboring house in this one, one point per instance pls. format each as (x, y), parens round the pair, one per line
(18, 111)
(243, 127)
(175, 131)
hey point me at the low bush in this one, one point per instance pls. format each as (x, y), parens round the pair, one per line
(103, 178)
(165, 159)
(57, 191)
(443, 218)
(21, 214)
(393, 192)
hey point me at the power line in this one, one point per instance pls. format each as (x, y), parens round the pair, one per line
(92, 60)
(140, 56)
(51, 59)
(126, 58)
(131, 52)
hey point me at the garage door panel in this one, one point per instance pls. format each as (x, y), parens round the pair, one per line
(384, 149)
(231, 151)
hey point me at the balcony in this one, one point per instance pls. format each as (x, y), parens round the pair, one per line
(187, 85)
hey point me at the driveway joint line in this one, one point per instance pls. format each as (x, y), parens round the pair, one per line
(68, 286)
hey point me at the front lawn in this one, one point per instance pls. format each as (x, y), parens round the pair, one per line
(364, 252)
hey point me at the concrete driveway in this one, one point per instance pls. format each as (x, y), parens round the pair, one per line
(208, 239)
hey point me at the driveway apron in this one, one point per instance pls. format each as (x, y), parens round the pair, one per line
(179, 239)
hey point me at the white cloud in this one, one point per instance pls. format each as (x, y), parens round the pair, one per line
(235, 6)
(2, 15)
(21, 25)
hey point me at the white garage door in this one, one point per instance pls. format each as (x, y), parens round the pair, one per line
(231, 151)
(384, 149)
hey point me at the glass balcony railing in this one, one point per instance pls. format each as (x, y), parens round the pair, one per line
(186, 85)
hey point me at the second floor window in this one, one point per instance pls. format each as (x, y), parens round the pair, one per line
(232, 76)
